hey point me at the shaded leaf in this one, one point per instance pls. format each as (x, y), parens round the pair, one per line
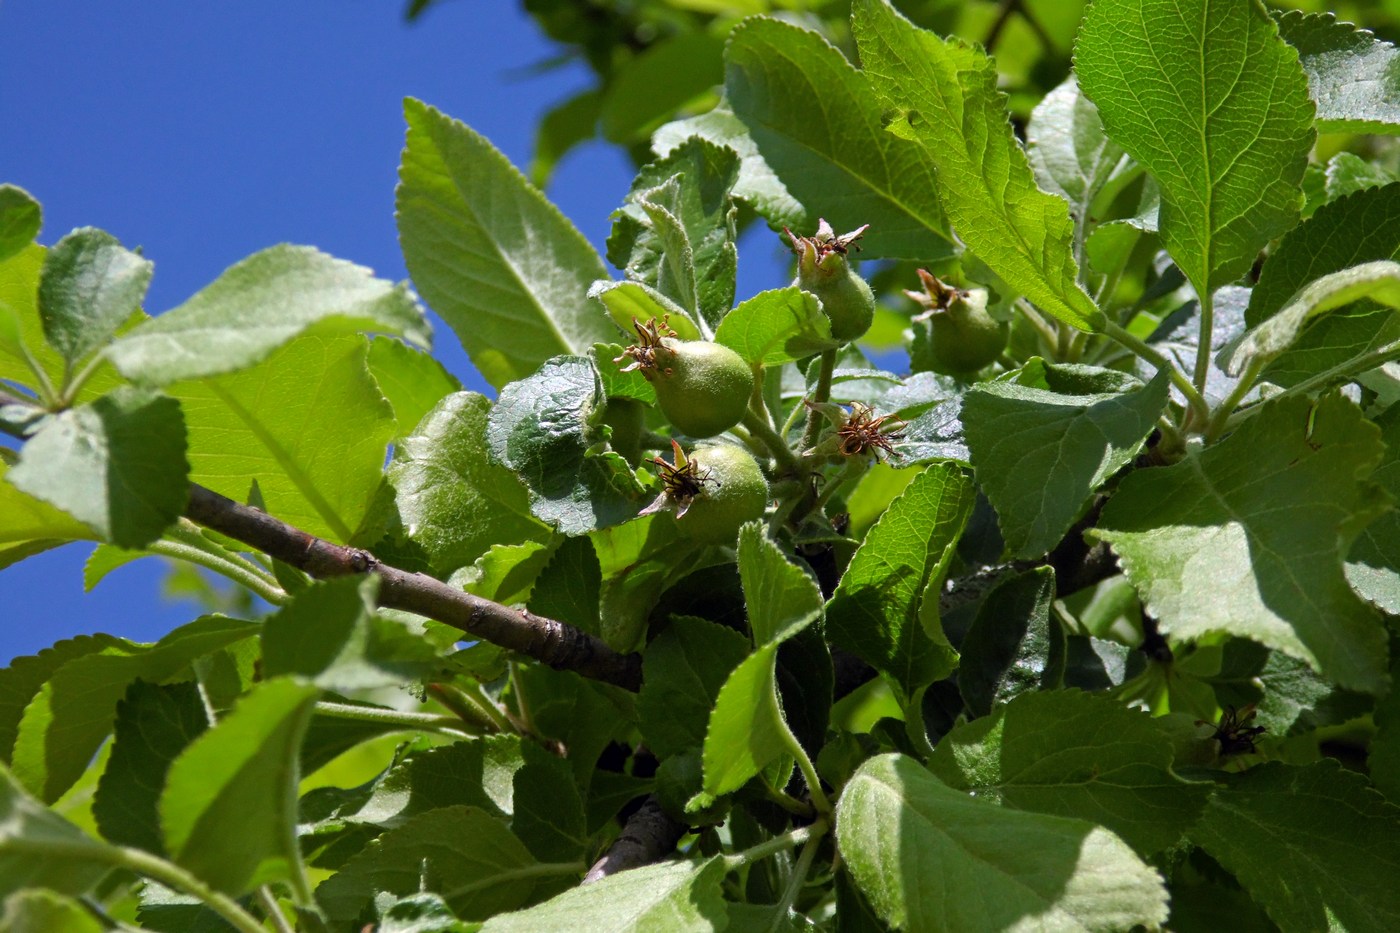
(1068, 149)
(20, 219)
(40, 849)
(683, 670)
(89, 285)
(38, 911)
(548, 811)
(651, 86)
(1351, 74)
(777, 326)
(568, 588)
(1014, 644)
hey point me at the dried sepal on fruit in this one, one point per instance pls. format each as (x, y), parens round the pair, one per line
(954, 335)
(858, 431)
(703, 388)
(823, 270)
(713, 490)
(1234, 732)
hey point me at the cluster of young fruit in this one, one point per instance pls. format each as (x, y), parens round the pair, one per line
(705, 388)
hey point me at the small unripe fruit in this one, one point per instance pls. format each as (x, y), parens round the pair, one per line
(956, 336)
(823, 270)
(703, 388)
(713, 491)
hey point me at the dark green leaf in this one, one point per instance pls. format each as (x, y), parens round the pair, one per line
(1384, 758)
(502, 266)
(72, 713)
(548, 811)
(777, 326)
(1304, 841)
(23, 678)
(1351, 74)
(683, 670)
(117, 465)
(879, 611)
(1045, 438)
(20, 219)
(543, 427)
(781, 598)
(1081, 755)
(90, 285)
(658, 82)
(1207, 97)
(1014, 644)
(1247, 537)
(154, 725)
(945, 97)
(817, 124)
(1373, 563)
(454, 501)
(931, 858)
(330, 635)
(260, 304)
(419, 913)
(410, 379)
(464, 853)
(568, 588)
(561, 129)
(40, 849)
(675, 896)
(581, 715)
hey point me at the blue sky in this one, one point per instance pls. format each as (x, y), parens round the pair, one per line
(203, 132)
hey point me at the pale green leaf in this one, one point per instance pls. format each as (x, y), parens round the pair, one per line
(1014, 644)
(116, 464)
(25, 520)
(683, 670)
(1306, 842)
(1082, 755)
(1207, 97)
(20, 219)
(668, 897)
(154, 724)
(879, 611)
(35, 910)
(228, 810)
(505, 573)
(1348, 173)
(454, 501)
(777, 326)
(72, 713)
(817, 125)
(545, 428)
(747, 731)
(630, 303)
(40, 849)
(945, 96)
(89, 285)
(1247, 537)
(273, 424)
(463, 853)
(258, 305)
(1046, 437)
(929, 857)
(410, 379)
(1373, 563)
(780, 597)
(503, 267)
(1068, 149)
(1351, 74)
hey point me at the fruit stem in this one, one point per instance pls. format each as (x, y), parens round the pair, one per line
(820, 394)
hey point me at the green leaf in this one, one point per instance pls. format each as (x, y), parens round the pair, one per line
(273, 424)
(777, 326)
(154, 725)
(879, 611)
(88, 287)
(757, 184)
(683, 670)
(1377, 281)
(38, 911)
(1351, 74)
(463, 853)
(639, 560)
(228, 810)
(410, 379)
(1014, 644)
(628, 303)
(71, 714)
(1304, 841)
(503, 267)
(329, 635)
(1207, 97)
(1082, 755)
(780, 597)
(560, 130)
(257, 306)
(668, 897)
(547, 809)
(665, 77)
(931, 858)
(1068, 150)
(817, 124)
(419, 913)
(1348, 173)
(747, 731)
(40, 849)
(506, 573)
(117, 465)
(20, 219)
(1384, 759)
(25, 520)
(945, 97)
(676, 229)
(454, 501)
(582, 715)
(569, 587)
(545, 428)
(1247, 537)
(1046, 437)
(23, 678)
